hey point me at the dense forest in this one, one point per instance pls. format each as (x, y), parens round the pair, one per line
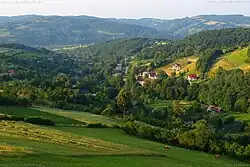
(103, 79)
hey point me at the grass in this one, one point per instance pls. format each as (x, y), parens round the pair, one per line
(28, 112)
(90, 147)
(162, 105)
(185, 66)
(230, 61)
(79, 116)
(174, 157)
(241, 116)
(76, 144)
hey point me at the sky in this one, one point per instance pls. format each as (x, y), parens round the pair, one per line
(163, 9)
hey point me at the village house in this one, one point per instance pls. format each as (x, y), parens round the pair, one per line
(176, 67)
(212, 108)
(192, 77)
(152, 75)
(141, 81)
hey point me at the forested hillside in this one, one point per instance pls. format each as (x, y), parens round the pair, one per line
(203, 43)
(191, 25)
(39, 31)
(58, 30)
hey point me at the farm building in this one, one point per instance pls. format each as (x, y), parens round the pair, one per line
(152, 75)
(212, 108)
(192, 77)
(11, 71)
(176, 67)
(141, 81)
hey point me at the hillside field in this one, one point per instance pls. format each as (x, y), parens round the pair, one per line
(187, 64)
(60, 146)
(232, 60)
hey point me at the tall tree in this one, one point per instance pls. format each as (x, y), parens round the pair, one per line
(123, 100)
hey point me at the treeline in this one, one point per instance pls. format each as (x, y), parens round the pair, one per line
(198, 44)
(229, 89)
(207, 60)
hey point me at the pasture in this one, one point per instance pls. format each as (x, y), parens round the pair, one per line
(230, 61)
(28, 112)
(60, 146)
(78, 116)
(188, 65)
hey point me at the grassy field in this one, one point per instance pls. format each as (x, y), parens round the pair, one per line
(23, 144)
(79, 116)
(4, 33)
(232, 60)
(59, 153)
(241, 116)
(162, 105)
(187, 64)
(28, 112)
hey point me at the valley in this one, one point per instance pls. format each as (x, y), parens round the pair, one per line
(134, 100)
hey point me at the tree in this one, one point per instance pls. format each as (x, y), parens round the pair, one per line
(123, 100)
(109, 110)
(241, 105)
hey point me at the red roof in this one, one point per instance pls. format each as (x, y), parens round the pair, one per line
(214, 108)
(11, 71)
(192, 76)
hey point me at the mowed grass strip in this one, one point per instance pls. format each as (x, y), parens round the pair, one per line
(20, 130)
(79, 116)
(28, 112)
(6, 149)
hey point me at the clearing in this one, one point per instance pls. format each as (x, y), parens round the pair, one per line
(232, 60)
(188, 64)
(79, 116)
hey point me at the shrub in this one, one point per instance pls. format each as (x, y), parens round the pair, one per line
(16, 118)
(40, 121)
(4, 117)
(97, 125)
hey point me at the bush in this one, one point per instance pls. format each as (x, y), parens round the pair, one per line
(4, 117)
(25, 102)
(40, 121)
(16, 118)
(108, 110)
(97, 125)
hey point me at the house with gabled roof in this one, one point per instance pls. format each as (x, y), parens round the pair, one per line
(176, 67)
(192, 77)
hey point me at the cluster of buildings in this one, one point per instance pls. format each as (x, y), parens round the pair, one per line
(144, 77)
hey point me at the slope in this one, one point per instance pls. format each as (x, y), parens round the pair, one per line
(67, 146)
(232, 60)
(188, 65)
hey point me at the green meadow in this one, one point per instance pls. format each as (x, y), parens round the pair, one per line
(23, 144)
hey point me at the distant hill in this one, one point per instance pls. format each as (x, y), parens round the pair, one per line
(56, 30)
(37, 30)
(191, 25)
